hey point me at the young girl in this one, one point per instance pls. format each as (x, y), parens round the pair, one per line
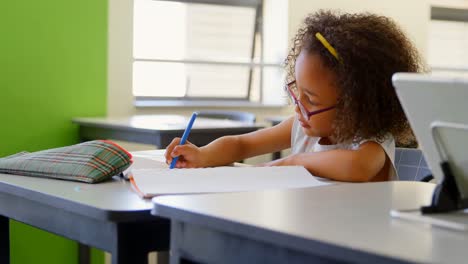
(347, 113)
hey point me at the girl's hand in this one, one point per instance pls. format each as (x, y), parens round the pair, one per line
(189, 154)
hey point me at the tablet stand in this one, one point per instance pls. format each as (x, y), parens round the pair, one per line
(446, 196)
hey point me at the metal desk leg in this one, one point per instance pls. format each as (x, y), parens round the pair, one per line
(84, 253)
(163, 257)
(134, 241)
(4, 239)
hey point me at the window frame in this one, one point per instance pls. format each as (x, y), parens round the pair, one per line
(252, 64)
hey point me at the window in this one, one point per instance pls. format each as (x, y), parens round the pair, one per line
(448, 39)
(205, 50)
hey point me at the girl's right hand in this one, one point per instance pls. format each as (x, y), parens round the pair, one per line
(189, 154)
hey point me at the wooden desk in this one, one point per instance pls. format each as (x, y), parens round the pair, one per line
(108, 215)
(348, 223)
(159, 130)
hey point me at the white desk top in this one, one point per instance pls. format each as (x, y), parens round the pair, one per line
(109, 199)
(349, 217)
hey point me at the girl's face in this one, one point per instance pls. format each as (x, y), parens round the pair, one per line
(316, 90)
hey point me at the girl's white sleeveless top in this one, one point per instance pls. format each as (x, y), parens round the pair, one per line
(301, 143)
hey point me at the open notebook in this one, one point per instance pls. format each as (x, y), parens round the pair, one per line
(155, 178)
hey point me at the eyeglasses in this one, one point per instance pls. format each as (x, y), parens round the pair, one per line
(305, 113)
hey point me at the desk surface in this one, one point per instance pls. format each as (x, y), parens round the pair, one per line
(113, 200)
(274, 120)
(160, 130)
(349, 221)
(163, 123)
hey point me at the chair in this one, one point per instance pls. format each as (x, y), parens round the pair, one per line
(411, 165)
(230, 115)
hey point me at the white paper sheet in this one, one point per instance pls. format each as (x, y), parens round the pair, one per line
(145, 162)
(162, 181)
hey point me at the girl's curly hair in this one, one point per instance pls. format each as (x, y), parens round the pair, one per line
(371, 48)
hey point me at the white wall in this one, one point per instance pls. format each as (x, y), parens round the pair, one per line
(451, 3)
(119, 67)
(412, 15)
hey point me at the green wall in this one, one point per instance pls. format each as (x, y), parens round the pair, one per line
(53, 61)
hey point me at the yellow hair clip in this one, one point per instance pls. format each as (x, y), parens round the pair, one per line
(327, 45)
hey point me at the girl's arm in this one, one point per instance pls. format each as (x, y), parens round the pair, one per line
(359, 165)
(229, 149)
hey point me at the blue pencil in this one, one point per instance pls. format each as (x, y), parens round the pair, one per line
(184, 137)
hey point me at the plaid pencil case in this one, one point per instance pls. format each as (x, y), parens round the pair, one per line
(91, 162)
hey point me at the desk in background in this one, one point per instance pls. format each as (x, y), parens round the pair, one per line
(108, 215)
(346, 223)
(160, 130)
(275, 120)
